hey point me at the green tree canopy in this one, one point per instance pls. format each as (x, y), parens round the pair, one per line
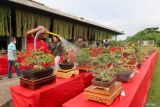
(146, 34)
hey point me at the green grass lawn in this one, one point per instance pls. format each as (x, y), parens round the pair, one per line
(153, 99)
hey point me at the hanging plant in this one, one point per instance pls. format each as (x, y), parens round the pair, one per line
(63, 28)
(26, 20)
(5, 21)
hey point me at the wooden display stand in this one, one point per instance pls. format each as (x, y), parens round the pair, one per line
(133, 67)
(66, 73)
(84, 68)
(103, 95)
(35, 84)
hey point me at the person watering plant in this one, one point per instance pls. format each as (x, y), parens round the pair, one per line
(12, 59)
(57, 50)
(40, 43)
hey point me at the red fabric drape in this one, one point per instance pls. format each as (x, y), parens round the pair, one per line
(136, 90)
(52, 95)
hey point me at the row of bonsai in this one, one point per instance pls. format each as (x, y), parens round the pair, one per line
(106, 66)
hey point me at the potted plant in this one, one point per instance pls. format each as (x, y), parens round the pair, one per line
(41, 63)
(139, 58)
(131, 60)
(147, 50)
(101, 60)
(117, 54)
(103, 77)
(82, 58)
(128, 51)
(122, 74)
(101, 72)
(66, 64)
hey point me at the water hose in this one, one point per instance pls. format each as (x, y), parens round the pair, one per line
(42, 31)
(54, 34)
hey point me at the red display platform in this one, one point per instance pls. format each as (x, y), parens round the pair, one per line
(53, 95)
(136, 90)
(4, 66)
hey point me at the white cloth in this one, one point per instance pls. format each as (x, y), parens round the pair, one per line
(56, 61)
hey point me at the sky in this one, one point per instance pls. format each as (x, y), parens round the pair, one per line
(129, 16)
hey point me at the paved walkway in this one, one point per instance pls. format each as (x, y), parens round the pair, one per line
(5, 95)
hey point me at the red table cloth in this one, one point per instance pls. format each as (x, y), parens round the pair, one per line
(136, 90)
(52, 95)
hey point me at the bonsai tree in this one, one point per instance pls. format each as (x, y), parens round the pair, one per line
(118, 69)
(114, 43)
(128, 51)
(38, 60)
(67, 63)
(117, 54)
(66, 57)
(38, 65)
(122, 73)
(101, 60)
(83, 57)
(139, 57)
(114, 60)
(145, 50)
(100, 70)
(103, 77)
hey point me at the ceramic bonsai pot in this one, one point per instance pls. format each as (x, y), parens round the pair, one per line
(28, 73)
(66, 66)
(131, 61)
(124, 76)
(97, 82)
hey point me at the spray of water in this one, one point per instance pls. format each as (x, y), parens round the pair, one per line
(68, 45)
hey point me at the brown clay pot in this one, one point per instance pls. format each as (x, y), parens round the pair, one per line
(124, 76)
(132, 61)
(97, 82)
(33, 75)
(66, 66)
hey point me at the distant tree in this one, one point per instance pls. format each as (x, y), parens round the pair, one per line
(146, 34)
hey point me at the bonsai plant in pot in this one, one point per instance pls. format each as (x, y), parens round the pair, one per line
(139, 58)
(122, 74)
(145, 50)
(128, 51)
(103, 77)
(131, 60)
(42, 65)
(82, 58)
(66, 64)
(101, 60)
